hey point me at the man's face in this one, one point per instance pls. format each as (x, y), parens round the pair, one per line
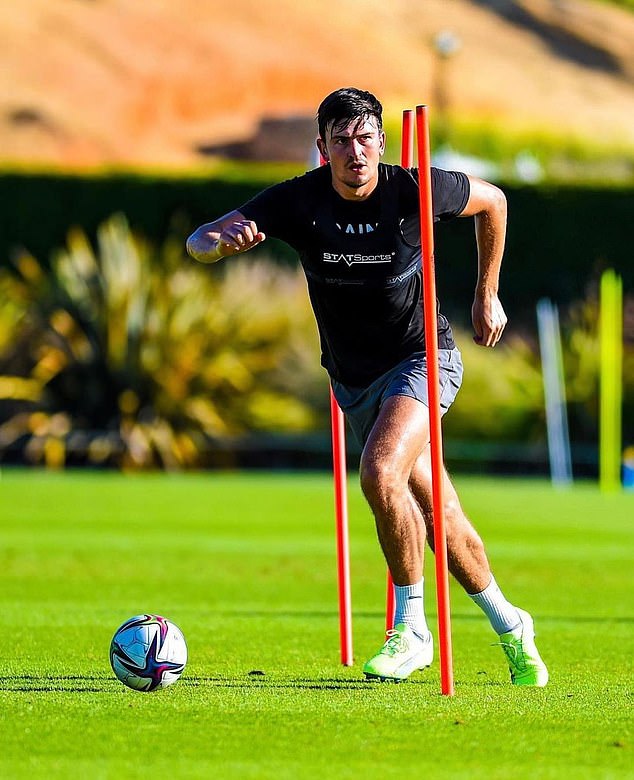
(353, 151)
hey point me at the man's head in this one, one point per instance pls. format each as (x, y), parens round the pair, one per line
(348, 105)
(352, 140)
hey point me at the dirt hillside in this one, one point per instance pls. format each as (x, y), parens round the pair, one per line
(90, 82)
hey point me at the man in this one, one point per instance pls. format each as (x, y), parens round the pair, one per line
(354, 223)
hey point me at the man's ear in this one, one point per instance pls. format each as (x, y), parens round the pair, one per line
(321, 145)
(382, 143)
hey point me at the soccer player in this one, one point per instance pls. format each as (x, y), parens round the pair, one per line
(355, 225)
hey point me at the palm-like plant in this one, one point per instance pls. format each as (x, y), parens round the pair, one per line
(140, 357)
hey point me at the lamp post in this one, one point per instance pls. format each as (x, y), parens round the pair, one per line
(445, 45)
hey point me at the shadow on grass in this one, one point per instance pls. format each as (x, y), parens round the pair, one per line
(429, 684)
(49, 683)
(302, 683)
(34, 683)
(38, 683)
(457, 616)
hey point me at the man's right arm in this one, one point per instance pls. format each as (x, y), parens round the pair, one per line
(226, 236)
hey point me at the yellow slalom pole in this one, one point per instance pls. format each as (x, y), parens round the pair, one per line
(611, 360)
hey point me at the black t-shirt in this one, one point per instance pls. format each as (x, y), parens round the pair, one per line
(362, 262)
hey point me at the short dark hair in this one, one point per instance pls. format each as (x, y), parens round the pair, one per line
(345, 105)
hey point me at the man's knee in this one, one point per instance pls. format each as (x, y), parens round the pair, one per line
(380, 480)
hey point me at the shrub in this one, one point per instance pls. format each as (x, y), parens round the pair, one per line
(501, 398)
(139, 357)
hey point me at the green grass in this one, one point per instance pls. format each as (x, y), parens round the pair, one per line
(245, 565)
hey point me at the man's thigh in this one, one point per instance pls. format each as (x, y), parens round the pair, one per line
(362, 406)
(398, 437)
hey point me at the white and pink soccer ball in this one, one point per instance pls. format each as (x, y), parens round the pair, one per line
(148, 652)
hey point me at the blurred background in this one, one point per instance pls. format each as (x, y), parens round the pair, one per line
(124, 125)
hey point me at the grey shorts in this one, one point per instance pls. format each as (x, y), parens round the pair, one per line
(361, 406)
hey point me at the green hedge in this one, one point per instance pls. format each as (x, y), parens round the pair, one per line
(559, 237)
(559, 240)
(38, 209)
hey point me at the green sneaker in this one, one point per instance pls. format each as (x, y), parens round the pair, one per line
(402, 653)
(525, 664)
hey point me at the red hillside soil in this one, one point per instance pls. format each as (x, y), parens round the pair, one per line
(122, 82)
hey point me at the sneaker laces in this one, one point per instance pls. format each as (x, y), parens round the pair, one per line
(396, 643)
(514, 652)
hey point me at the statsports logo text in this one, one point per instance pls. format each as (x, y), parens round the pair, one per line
(337, 257)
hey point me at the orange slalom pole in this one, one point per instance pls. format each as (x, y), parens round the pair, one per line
(433, 391)
(407, 139)
(341, 519)
(407, 161)
(339, 470)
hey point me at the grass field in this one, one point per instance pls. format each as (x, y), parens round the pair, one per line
(245, 565)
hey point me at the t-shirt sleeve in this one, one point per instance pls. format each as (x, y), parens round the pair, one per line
(270, 210)
(450, 193)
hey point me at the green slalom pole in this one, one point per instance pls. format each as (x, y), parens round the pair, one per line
(611, 369)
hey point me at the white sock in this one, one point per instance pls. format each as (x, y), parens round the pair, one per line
(502, 615)
(410, 608)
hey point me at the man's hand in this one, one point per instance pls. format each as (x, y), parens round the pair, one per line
(489, 319)
(227, 236)
(239, 236)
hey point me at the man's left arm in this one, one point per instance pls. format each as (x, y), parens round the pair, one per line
(487, 205)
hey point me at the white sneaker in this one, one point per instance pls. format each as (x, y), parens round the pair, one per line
(403, 653)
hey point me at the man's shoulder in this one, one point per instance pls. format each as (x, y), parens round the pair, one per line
(408, 176)
(395, 177)
(450, 189)
(395, 173)
(401, 186)
(285, 196)
(314, 179)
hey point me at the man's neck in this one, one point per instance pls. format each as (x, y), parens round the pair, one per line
(355, 194)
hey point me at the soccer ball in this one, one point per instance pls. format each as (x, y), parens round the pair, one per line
(148, 652)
